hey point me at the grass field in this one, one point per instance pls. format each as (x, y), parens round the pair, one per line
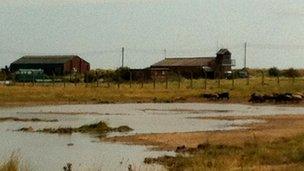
(58, 93)
(284, 154)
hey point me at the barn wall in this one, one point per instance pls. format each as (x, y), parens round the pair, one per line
(220, 70)
(79, 64)
(49, 69)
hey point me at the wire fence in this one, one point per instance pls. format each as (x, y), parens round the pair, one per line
(165, 81)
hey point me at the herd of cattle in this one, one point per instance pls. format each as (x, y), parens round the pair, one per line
(277, 98)
(260, 98)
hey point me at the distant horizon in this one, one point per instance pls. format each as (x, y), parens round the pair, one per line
(97, 30)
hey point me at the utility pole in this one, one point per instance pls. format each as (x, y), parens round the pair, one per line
(245, 55)
(165, 53)
(122, 56)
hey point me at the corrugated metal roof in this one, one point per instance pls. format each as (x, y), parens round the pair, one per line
(186, 62)
(44, 59)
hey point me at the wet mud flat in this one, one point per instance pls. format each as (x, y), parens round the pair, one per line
(51, 151)
(266, 129)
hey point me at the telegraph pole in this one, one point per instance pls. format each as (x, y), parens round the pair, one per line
(165, 53)
(245, 55)
(122, 56)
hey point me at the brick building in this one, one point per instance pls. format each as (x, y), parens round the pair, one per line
(211, 67)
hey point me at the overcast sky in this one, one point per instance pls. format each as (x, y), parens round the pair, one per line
(97, 29)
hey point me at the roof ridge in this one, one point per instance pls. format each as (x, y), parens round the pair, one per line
(47, 56)
(189, 57)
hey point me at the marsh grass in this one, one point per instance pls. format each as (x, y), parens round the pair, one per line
(90, 93)
(13, 164)
(97, 128)
(283, 154)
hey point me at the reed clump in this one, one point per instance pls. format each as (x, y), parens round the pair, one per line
(13, 164)
(97, 128)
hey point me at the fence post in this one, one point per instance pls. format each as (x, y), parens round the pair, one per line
(23, 79)
(278, 79)
(232, 77)
(166, 76)
(33, 79)
(179, 80)
(248, 78)
(4, 76)
(263, 78)
(191, 81)
(53, 79)
(154, 80)
(14, 79)
(130, 79)
(43, 81)
(219, 82)
(97, 79)
(142, 80)
(205, 82)
(75, 79)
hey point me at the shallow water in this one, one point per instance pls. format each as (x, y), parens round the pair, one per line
(50, 152)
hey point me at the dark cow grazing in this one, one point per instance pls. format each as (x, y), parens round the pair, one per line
(255, 98)
(268, 98)
(284, 97)
(210, 96)
(222, 96)
(276, 97)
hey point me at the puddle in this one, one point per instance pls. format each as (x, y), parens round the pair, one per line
(51, 152)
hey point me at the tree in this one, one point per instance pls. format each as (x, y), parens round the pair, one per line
(274, 72)
(291, 72)
(122, 74)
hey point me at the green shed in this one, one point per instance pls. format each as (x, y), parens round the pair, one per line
(30, 75)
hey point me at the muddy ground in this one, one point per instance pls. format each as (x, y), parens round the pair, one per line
(273, 128)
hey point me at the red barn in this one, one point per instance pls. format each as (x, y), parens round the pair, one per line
(58, 65)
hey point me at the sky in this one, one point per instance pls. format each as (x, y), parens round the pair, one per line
(96, 30)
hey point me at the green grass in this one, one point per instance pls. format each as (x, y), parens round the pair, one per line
(90, 93)
(284, 152)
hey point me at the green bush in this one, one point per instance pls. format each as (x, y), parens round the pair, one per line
(119, 75)
(122, 74)
(274, 72)
(90, 77)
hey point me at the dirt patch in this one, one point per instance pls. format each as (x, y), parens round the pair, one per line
(26, 119)
(274, 127)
